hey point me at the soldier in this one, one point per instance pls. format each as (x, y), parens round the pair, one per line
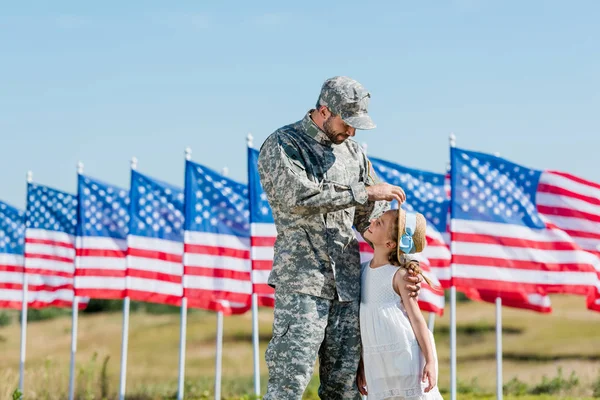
(319, 184)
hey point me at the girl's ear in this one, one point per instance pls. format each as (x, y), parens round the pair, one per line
(390, 244)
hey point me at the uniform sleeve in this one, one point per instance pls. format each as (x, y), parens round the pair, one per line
(286, 183)
(370, 209)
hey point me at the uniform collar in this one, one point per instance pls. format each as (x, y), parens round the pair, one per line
(312, 130)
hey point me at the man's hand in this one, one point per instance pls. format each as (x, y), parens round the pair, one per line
(415, 283)
(387, 192)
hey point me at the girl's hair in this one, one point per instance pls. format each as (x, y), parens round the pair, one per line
(400, 259)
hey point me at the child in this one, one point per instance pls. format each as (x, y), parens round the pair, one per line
(399, 359)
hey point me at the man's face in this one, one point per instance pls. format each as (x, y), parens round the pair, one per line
(336, 129)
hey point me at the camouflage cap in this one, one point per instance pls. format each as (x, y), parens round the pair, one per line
(346, 97)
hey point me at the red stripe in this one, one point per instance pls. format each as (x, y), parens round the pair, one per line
(262, 288)
(11, 286)
(82, 252)
(264, 301)
(567, 212)
(11, 268)
(436, 290)
(15, 305)
(431, 242)
(488, 284)
(262, 265)
(48, 272)
(101, 293)
(439, 262)
(263, 241)
(429, 307)
(560, 191)
(49, 242)
(55, 303)
(511, 302)
(152, 297)
(523, 265)
(49, 257)
(112, 273)
(576, 179)
(217, 251)
(216, 295)
(364, 247)
(49, 288)
(155, 255)
(217, 273)
(592, 303)
(207, 304)
(512, 242)
(581, 234)
(153, 275)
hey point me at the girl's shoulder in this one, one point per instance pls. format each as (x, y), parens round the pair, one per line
(398, 279)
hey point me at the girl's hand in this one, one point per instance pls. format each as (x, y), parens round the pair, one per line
(429, 375)
(361, 381)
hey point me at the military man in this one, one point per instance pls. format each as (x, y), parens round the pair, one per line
(319, 184)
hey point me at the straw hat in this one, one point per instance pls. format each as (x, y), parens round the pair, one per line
(411, 232)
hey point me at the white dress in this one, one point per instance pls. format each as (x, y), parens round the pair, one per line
(392, 357)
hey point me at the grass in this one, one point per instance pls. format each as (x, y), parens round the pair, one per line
(535, 347)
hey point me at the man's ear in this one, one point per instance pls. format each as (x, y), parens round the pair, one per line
(324, 111)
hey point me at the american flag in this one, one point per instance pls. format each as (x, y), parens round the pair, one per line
(101, 242)
(501, 241)
(438, 235)
(529, 301)
(50, 246)
(12, 246)
(155, 241)
(262, 233)
(572, 204)
(426, 194)
(217, 242)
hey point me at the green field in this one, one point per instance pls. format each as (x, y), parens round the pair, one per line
(535, 348)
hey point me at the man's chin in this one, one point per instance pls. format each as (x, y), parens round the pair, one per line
(339, 139)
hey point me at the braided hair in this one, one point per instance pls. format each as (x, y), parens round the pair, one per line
(398, 258)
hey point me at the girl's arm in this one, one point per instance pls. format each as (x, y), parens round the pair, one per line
(418, 325)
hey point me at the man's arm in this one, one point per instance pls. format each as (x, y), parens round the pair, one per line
(284, 179)
(364, 213)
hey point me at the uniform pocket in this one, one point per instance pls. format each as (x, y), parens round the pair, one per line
(276, 346)
(281, 326)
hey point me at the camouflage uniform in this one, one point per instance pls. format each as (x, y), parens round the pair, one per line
(317, 192)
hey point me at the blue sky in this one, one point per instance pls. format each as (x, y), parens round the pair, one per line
(104, 81)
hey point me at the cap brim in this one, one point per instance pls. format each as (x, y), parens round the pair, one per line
(363, 122)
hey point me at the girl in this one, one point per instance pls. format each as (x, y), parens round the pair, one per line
(399, 359)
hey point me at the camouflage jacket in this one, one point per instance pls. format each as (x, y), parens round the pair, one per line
(317, 192)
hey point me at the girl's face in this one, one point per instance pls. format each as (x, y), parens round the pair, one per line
(380, 231)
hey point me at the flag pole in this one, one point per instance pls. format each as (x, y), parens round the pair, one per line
(498, 348)
(364, 146)
(452, 140)
(24, 304)
(183, 320)
(219, 349)
(75, 311)
(255, 333)
(126, 308)
(499, 393)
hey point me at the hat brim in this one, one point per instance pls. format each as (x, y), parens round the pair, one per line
(363, 122)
